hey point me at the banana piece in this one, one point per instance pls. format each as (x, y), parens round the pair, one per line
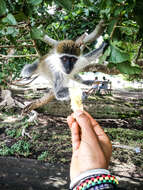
(76, 99)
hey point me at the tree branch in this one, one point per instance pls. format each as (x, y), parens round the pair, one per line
(85, 38)
(49, 40)
(36, 48)
(17, 56)
(96, 33)
(40, 102)
(139, 52)
(102, 68)
(19, 46)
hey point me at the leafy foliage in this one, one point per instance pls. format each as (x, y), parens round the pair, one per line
(118, 56)
(2, 7)
(23, 23)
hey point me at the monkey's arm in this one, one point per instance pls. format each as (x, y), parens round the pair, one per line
(30, 69)
(60, 90)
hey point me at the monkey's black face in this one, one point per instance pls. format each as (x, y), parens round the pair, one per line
(68, 63)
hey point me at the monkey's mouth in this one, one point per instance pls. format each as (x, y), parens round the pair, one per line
(67, 72)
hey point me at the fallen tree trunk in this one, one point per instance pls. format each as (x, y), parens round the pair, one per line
(40, 102)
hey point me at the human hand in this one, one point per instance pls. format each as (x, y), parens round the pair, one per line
(92, 148)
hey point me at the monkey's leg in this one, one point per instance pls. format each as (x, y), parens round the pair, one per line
(40, 102)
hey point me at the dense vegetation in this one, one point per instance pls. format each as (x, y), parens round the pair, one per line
(23, 24)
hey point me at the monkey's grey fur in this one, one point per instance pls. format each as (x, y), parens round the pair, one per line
(29, 69)
(52, 68)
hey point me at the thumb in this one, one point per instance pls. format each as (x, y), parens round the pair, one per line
(85, 124)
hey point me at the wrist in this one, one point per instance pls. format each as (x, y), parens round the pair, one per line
(84, 175)
(99, 178)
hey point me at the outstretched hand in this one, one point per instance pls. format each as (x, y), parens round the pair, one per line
(92, 148)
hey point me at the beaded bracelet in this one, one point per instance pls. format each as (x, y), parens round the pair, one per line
(93, 181)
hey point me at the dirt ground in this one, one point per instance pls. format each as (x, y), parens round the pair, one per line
(41, 159)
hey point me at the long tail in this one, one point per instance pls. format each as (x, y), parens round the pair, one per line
(97, 52)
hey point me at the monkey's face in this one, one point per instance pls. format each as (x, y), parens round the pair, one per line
(69, 52)
(68, 62)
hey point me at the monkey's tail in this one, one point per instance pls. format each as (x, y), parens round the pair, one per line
(97, 52)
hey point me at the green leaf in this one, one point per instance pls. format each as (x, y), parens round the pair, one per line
(87, 2)
(67, 4)
(20, 17)
(10, 30)
(36, 33)
(118, 56)
(108, 3)
(2, 7)
(9, 19)
(126, 68)
(120, 1)
(28, 9)
(35, 2)
(118, 11)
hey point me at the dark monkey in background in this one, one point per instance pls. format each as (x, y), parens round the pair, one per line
(61, 66)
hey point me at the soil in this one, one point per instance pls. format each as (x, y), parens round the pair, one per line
(41, 159)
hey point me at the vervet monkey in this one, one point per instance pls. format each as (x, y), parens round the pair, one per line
(61, 65)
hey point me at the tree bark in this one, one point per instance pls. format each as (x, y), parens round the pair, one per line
(40, 102)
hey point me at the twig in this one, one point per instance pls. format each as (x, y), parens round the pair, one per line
(17, 56)
(136, 149)
(36, 48)
(114, 27)
(19, 46)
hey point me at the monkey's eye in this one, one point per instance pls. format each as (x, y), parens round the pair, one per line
(64, 59)
(73, 59)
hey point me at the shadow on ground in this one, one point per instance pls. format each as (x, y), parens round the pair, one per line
(28, 174)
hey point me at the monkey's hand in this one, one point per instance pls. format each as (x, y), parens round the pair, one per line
(29, 69)
(61, 92)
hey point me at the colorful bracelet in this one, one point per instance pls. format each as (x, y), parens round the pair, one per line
(93, 181)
